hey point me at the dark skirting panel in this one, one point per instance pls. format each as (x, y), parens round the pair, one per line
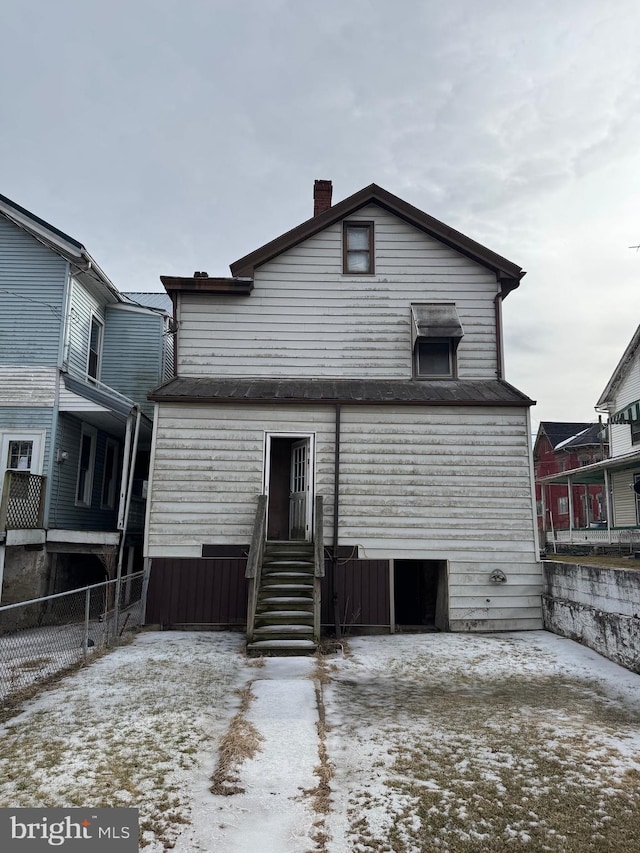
(197, 592)
(363, 593)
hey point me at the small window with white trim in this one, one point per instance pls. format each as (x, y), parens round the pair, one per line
(86, 464)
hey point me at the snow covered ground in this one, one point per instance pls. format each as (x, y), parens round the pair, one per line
(411, 743)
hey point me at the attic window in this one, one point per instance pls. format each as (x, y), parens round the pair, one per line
(357, 248)
(436, 333)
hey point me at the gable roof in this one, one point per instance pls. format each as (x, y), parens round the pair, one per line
(559, 431)
(606, 398)
(507, 273)
(67, 247)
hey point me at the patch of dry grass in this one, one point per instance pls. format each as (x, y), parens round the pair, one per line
(240, 743)
(589, 560)
(471, 763)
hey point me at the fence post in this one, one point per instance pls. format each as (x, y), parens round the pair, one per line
(145, 589)
(87, 602)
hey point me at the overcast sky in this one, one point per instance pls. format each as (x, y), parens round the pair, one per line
(175, 135)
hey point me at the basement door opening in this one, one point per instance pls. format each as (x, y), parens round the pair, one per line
(420, 595)
(289, 486)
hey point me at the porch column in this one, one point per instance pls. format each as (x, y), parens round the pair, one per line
(607, 496)
(570, 494)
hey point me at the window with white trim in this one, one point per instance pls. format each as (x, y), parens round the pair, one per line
(86, 464)
(95, 348)
(563, 506)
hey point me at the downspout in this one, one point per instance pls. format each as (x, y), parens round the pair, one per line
(124, 478)
(497, 306)
(64, 331)
(125, 522)
(336, 513)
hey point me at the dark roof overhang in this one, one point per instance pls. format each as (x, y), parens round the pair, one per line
(201, 284)
(407, 392)
(507, 273)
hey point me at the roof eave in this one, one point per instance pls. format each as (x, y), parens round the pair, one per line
(605, 401)
(231, 286)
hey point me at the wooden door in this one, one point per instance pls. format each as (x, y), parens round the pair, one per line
(299, 495)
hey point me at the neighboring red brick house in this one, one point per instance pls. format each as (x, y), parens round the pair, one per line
(562, 447)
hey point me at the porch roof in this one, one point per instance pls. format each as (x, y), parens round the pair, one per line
(441, 392)
(594, 473)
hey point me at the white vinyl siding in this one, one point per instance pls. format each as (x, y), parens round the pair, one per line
(415, 483)
(208, 471)
(629, 389)
(304, 317)
(27, 386)
(624, 498)
(620, 439)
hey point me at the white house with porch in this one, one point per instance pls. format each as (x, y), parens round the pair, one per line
(620, 473)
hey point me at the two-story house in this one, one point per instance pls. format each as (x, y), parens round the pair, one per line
(561, 446)
(351, 367)
(77, 359)
(618, 475)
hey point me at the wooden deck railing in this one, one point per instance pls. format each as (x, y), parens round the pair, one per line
(22, 506)
(318, 560)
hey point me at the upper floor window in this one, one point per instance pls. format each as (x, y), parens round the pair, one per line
(635, 432)
(434, 358)
(357, 248)
(95, 348)
(436, 333)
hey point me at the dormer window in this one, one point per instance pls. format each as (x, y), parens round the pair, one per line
(436, 332)
(357, 248)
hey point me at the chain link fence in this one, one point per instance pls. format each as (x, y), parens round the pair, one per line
(44, 636)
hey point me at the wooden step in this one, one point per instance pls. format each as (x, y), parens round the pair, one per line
(284, 617)
(282, 601)
(281, 648)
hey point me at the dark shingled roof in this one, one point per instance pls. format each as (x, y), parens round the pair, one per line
(382, 391)
(588, 437)
(559, 431)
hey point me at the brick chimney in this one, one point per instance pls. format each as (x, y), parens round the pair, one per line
(321, 196)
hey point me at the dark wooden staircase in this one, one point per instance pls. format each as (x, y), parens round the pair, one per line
(283, 613)
(285, 605)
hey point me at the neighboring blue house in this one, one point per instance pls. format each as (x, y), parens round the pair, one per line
(77, 358)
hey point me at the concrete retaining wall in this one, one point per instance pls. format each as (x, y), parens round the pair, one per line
(596, 605)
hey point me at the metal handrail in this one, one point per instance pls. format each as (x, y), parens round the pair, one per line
(254, 562)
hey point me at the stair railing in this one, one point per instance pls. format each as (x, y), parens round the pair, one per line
(254, 562)
(318, 563)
